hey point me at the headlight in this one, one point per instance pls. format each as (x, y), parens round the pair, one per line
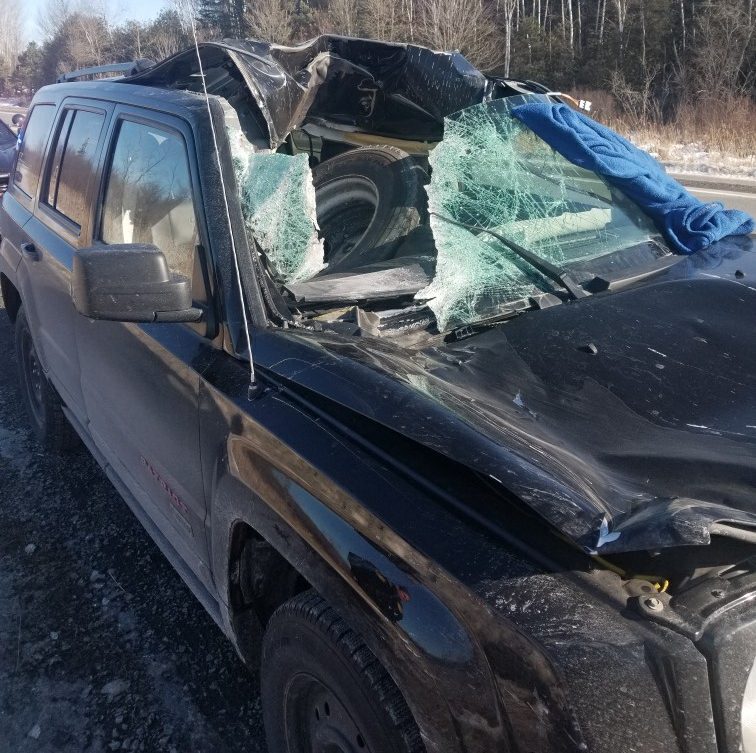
(748, 715)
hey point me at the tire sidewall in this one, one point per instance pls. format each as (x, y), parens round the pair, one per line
(400, 199)
(23, 339)
(294, 646)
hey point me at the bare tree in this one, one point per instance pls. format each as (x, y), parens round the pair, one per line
(506, 8)
(271, 20)
(340, 17)
(187, 12)
(464, 25)
(602, 23)
(52, 16)
(637, 103)
(11, 33)
(384, 19)
(622, 7)
(642, 11)
(164, 42)
(720, 57)
(90, 38)
(408, 7)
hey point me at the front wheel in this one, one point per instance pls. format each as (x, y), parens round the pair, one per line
(323, 691)
(50, 426)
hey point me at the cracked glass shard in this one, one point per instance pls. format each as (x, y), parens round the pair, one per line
(490, 171)
(278, 203)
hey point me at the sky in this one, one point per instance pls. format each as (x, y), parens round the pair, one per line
(118, 10)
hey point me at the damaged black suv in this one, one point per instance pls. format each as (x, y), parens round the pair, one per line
(432, 421)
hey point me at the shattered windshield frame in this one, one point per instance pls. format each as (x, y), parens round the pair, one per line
(510, 225)
(490, 172)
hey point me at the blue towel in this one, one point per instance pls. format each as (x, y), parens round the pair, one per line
(687, 223)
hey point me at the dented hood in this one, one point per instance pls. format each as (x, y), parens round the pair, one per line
(627, 420)
(643, 401)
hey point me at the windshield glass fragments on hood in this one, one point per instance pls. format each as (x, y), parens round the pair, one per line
(492, 172)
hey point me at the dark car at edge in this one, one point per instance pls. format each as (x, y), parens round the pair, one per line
(7, 153)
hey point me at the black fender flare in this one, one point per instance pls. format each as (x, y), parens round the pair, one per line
(429, 651)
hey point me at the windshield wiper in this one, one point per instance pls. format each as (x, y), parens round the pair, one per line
(560, 276)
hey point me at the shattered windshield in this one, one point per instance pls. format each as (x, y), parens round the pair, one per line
(492, 172)
(279, 206)
(485, 222)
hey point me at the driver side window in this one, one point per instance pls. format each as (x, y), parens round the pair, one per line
(148, 195)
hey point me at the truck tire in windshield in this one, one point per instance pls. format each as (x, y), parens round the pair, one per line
(49, 424)
(368, 200)
(323, 689)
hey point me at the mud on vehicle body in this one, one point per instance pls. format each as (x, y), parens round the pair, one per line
(492, 487)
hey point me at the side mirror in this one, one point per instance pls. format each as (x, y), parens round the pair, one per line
(130, 283)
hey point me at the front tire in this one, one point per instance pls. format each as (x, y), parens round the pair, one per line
(323, 691)
(43, 406)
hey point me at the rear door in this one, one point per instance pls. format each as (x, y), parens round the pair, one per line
(61, 190)
(141, 381)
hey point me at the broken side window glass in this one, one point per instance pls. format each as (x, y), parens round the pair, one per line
(278, 205)
(492, 172)
(278, 202)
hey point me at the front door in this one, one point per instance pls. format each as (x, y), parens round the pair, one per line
(140, 381)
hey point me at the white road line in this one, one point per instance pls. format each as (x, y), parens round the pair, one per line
(722, 193)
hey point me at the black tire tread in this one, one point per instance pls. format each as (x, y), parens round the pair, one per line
(403, 218)
(58, 435)
(312, 608)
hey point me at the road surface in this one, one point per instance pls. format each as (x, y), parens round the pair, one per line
(102, 646)
(734, 193)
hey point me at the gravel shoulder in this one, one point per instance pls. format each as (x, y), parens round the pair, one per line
(102, 646)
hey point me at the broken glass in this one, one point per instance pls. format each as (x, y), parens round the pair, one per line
(278, 205)
(490, 171)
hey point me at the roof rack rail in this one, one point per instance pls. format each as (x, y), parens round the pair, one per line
(127, 69)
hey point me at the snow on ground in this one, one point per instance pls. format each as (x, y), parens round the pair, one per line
(694, 159)
(10, 101)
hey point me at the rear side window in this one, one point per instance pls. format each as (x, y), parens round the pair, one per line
(32, 149)
(73, 164)
(148, 196)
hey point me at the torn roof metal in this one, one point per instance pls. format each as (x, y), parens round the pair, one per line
(387, 88)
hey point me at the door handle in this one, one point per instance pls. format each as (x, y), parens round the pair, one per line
(31, 251)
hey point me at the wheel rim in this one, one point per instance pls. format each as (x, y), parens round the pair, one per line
(317, 720)
(33, 377)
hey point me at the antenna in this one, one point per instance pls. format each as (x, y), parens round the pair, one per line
(253, 386)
